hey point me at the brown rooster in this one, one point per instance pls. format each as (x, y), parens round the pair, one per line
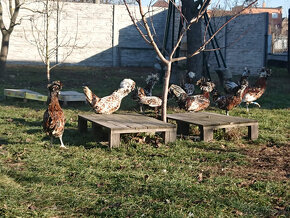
(254, 92)
(53, 117)
(111, 103)
(196, 102)
(228, 102)
(151, 101)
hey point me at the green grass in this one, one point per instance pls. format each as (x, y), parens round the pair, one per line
(227, 177)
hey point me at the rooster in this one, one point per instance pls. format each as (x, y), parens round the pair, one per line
(196, 102)
(188, 85)
(111, 103)
(151, 80)
(53, 117)
(231, 87)
(228, 102)
(254, 92)
(151, 101)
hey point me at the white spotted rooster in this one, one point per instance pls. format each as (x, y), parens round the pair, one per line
(109, 104)
(53, 117)
(254, 92)
(150, 101)
(228, 102)
(196, 102)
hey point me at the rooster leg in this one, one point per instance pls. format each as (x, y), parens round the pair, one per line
(256, 103)
(141, 108)
(51, 141)
(247, 106)
(61, 142)
(227, 113)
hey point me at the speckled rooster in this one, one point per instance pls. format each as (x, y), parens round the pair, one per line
(111, 103)
(196, 102)
(53, 118)
(254, 92)
(150, 101)
(228, 102)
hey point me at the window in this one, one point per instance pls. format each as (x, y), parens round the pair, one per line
(274, 15)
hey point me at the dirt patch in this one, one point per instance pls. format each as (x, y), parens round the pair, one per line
(266, 162)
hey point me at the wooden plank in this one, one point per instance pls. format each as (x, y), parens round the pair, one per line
(206, 134)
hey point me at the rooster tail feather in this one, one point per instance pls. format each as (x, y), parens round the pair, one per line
(90, 96)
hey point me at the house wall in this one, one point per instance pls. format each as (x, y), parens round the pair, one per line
(105, 36)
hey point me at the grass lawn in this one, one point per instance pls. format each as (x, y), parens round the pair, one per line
(229, 176)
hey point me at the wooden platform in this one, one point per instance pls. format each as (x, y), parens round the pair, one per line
(207, 122)
(69, 96)
(25, 94)
(117, 124)
(65, 96)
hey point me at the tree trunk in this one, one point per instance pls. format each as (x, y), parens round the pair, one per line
(194, 42)
(165, 92)
(190, 10)
(48, 70)
(4, 53)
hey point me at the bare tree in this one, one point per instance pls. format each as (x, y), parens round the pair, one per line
(13, 12)
(147, 34)
(45, 29)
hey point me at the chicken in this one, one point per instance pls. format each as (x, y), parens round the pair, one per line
(196, 102)
(151, 80)
(254, 92)
(111, 103)
(53, 117)
(231, 87)
(151, 101)
(228, 102)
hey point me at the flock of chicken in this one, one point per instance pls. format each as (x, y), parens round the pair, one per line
(54, 120)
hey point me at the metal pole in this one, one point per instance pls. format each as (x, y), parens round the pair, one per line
(288, 41)
(216, 42)
(212, 42)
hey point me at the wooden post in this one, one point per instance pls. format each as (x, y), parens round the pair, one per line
(82, 124)
(206, 133)
(114, 139)
(253, 131)
(169, 135)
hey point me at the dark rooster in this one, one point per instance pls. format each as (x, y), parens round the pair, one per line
(151, 80)
(254, 92)
(111, 103)
(228, 102)
(188, 85)
(150, 101)
(53, 118)
(231, 87)
(196, 102)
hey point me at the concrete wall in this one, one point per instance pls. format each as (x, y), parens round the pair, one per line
(106, 37)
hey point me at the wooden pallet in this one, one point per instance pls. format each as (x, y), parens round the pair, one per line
(117, 124)
(25, 94)
(207, 122)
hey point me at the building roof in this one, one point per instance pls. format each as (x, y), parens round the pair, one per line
(161, 3)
